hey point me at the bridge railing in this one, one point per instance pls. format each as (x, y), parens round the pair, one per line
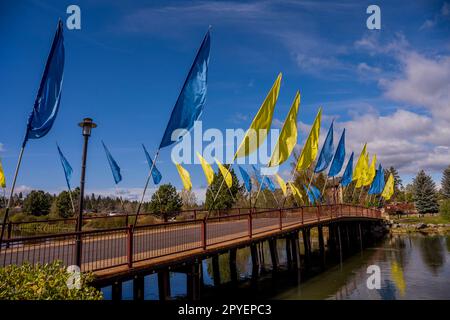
(123, 246)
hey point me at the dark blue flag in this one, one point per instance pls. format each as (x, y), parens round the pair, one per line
(46, 105)
(156, 175)
(348, 173)
(339, 157)
(113, 164)
(66, 166)
(246, 178)
(326, 154)
(191, 100)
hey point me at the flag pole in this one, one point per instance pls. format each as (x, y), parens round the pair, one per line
(145, 188)
(71, 200)
(5, 218)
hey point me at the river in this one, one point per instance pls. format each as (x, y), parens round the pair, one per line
(412, 267)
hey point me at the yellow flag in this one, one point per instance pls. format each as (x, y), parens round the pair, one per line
(259, 128)
(185, 176)
(282, 184)
(388, 190)
(371, 171)
(209, 172)
(360, 164)
(225, 173)
(295, 191)
(288, 136)
(397, 276)
(364, 171)
(2, 176)
(311, 147)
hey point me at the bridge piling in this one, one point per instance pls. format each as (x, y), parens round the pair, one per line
(193, 281)
(255, 261)
(138, 287)
(289, 251)
(295, 251)
(321, 246)
(216, 270)
(340, 244)
(116, 290)
(274, 254)
(233, 268)
(306, 245)
(164, 285)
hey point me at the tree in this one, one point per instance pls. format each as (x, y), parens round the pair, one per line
(446, 183)
(37, 203)
(224, 199)
(398, 184)
(165, 201)
(424, 193)
(62, 206)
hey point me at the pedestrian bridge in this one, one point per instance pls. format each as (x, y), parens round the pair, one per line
(116, 251)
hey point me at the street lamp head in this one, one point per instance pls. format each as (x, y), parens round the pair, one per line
(87, 126)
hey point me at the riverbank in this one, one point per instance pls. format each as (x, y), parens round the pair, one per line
(434, 224)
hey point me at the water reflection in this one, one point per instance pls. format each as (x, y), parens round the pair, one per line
(412, 267)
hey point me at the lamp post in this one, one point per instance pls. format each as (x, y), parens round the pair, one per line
(87, 126)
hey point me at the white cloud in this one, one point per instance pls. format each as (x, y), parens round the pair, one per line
(425, 82)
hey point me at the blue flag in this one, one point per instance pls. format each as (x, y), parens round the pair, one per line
(377, 185)
(156, 175)
(246, 178)
(191, 100)
(46, 105)
(348, 173)
(339, 157)
(269, 183)
(113, 164)
(310, 194)
(326, 154)
(316, 192)
(66, 166)
(259, 178)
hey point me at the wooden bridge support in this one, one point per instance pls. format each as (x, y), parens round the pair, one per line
(255, 260)
(306, 244)
(274, 254)
(193, 283)
(289, 252)
(116, 290)
(164, 285)
(138, 287)
(216, 270)
(321, 246)
(233, 267)
(295, 251)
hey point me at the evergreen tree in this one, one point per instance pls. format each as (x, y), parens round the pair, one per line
(62, 207)
(424, 193)
(165, 201)
(446, 183)
(224, 199)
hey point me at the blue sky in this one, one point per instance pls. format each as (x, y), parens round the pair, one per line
(126, 65)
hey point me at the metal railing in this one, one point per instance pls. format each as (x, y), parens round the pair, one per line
(125, 246)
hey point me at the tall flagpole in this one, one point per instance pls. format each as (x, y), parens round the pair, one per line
(145, 189)
(5, 218)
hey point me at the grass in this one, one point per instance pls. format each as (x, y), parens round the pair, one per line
(436, 219)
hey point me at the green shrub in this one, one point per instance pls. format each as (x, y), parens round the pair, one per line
(43, 282)
(444, 208)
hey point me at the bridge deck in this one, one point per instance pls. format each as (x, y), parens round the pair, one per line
(114, 251)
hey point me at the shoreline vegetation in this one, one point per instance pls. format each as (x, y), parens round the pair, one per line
(426, 224)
